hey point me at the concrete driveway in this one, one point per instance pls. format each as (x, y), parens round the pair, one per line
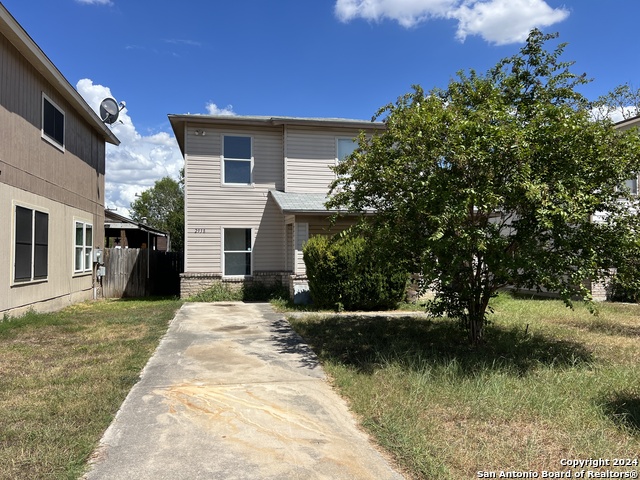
(233, 393)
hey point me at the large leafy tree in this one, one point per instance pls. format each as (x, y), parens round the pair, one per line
(162, 207)
(623, 101)
(497, 180)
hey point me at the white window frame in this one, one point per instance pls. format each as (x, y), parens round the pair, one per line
(224, 161)
(224, 252)
(32, 278)
(86, 258)
(45, 135)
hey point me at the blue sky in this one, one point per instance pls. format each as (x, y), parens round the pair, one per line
(309, 58)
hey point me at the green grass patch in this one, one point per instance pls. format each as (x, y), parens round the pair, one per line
(550, 383)
(64, 375)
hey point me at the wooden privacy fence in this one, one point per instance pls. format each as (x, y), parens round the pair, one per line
(140, 272)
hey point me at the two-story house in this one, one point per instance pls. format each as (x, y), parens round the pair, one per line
(52, 166)
(255, 189)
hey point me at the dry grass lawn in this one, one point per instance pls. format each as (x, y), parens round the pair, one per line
(565, 387)
(63, 376)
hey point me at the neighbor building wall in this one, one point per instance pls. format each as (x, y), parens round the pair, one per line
(62, 287)
(66, 183)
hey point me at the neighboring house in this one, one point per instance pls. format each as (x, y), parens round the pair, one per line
(255, 189)
(122, 232)
(52, 165)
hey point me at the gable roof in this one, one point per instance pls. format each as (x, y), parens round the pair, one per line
(178, 123)
(21, 40)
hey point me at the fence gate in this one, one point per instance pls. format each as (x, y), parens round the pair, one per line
(137, 272)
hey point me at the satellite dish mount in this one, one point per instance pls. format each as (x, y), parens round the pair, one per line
(109, 110)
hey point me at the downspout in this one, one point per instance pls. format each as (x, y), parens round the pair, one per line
(285, 153)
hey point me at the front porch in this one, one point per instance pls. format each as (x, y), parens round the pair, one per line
(305, 215)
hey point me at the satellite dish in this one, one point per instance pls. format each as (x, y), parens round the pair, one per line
(109, 111)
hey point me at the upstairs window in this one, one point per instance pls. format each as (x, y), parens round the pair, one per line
(52, 122)
(632, 185)
(83, 247)
(238, 159)
(31, 245)
(346, 147)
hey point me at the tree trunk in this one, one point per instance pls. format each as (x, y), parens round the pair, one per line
(476, 329)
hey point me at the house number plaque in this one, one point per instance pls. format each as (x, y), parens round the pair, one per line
(200, 230)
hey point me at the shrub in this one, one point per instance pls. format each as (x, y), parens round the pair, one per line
(345, 273)
(625, 287)
(625, 284)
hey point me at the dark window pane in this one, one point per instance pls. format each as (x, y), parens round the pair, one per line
(42, 228)
(58, 133)
(41, 249)
(79, 235)
(24, 218)
(237, 147)
(237, 264)
(237, 239)
(23, 247)
(41, 260)
(23, 262)
(237, 171)
(52, 122)
(48, 118)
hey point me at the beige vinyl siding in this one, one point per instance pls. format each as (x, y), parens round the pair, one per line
(211, 206)
(311, 152)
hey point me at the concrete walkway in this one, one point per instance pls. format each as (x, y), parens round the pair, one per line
(233, 393)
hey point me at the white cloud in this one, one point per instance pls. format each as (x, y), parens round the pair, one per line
(497, 21)
(406, 12)
(505, 21)
(189, 43)
(138, 161)
(213, 109)
(616, 114)
(95, 2)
